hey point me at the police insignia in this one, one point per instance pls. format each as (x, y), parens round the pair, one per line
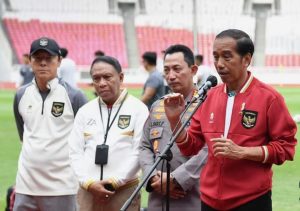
(124, 121)
(156, 133)
(57, 109)
(159, 109)
(43, 42)
(157, 116)
(249, 119)
(155, 145)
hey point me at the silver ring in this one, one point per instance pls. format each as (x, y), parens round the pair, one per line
(106, 196)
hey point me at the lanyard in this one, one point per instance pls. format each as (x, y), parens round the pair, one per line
(108, 125)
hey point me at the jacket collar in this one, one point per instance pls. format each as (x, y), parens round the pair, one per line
(119, 100)
(245, 86)
(52, 84)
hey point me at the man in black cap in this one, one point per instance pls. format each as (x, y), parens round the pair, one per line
(44, 111)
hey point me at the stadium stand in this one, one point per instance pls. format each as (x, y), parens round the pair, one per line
(82, 39)
(86, 26)
(163, 24)
(58, 6)
(85, 38)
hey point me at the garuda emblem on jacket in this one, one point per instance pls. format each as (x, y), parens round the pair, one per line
(249, 119)
(124, 121)
(57, 109)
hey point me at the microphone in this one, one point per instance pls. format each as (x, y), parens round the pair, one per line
(211, 81)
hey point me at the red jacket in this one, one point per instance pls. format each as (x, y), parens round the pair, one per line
(259, 118)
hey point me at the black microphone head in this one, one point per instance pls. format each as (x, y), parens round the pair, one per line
(213, 80)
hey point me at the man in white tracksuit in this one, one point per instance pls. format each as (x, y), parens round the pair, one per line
(44, 111)
(104, 141)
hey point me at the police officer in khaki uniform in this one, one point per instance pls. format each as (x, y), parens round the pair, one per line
(179, 70)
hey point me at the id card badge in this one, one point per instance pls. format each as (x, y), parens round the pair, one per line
(101, 156)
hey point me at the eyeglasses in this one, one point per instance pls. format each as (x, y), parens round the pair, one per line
(39, 59)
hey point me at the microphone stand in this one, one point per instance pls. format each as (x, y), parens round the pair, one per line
(167, 155)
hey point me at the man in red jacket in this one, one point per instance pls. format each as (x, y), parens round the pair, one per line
(246, 126)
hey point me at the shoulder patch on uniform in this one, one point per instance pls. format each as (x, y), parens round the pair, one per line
(124, 121)
(249, 119)
(57, 109)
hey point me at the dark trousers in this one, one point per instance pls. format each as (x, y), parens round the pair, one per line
(262, 203)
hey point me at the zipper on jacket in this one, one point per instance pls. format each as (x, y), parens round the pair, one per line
(44, 97)
(43, 107)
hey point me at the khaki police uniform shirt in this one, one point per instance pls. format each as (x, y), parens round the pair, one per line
(186, 170)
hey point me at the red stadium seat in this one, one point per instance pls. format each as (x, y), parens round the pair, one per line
(83, 39)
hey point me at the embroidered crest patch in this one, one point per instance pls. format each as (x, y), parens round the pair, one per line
(249, 119)
(124, 121)
(57, 109)
(43, 42)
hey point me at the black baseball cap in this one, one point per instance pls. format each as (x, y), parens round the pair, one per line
(47, 44)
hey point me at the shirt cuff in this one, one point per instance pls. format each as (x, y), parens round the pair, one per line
(182, 141)
(85, 185)
(266, 153)
(114, 183)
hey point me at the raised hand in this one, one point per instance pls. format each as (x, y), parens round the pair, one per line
(174, 106)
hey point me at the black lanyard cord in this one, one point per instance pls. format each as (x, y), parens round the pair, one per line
(108, 120)
(108, 126)
(101, 172)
